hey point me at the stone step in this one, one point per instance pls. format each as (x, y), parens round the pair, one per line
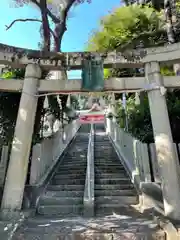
(112, 181)
(105, 150)
(32, 235)
(65, 187)
(77, 165)
(73, 175)
(119, 200)
(108, 170)
(71, 171)
(74, 160)
(72, 156)
(111, 209)
(47, 200)
(74, 167)
(100, 235)
(57, 210)
(125, 192)
(68, 181)
(109, 164)
(81, 155)
(78, 149)
(114, 168)
(73, 163)
(111, 175)
(41, 230)
(124, 186)
(64, 193)
(107, 161)
(107, 153)
(79, 146)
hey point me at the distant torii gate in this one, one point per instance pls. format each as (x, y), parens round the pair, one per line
(32, 87)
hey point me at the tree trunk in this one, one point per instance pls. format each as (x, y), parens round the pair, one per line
(45, 26)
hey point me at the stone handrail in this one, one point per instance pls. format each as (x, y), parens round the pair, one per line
(46, 154)
(89, 184)
(132, 152)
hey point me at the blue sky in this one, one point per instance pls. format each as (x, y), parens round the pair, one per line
(82, 21)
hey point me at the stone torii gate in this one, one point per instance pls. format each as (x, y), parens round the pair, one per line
(33, 87)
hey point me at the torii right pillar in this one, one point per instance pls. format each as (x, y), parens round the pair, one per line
(164, 142)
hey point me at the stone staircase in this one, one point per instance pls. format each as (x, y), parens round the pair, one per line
(60, 207)
(114, 191)
(64, 193)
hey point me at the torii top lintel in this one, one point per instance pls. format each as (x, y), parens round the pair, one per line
(20, 57)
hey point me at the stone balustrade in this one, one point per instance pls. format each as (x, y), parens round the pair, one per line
(46, 154)
(140, 161)
(138, 156)
(89, 184)
(133, 153)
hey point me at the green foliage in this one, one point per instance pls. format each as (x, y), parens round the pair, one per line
(123, 29)
(10, 104)
(107, 73)
(139, 120)
(13, 73)
(9, 108)
(8, 114)
(124, 26)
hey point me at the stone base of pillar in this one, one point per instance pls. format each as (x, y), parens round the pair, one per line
(151, 198)
(8, 215)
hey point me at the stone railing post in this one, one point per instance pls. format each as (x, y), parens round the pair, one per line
(165, 151)
(114, 116)
(19, 158)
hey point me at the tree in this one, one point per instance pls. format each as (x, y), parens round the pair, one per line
(57, 12)
(125, 28)
(171, 12)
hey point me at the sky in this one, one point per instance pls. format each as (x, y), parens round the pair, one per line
(83, 19)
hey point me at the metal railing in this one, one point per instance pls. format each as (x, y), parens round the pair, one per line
(89, 184)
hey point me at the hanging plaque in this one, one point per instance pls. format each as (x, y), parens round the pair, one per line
(93, 74)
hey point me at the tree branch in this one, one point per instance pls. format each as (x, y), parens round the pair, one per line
(22, 20)
(52, 16)
(60, 28)
(36, 3)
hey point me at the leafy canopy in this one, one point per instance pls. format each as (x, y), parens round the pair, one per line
(124, 25)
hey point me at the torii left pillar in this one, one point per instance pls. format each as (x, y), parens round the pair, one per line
(19, 158)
